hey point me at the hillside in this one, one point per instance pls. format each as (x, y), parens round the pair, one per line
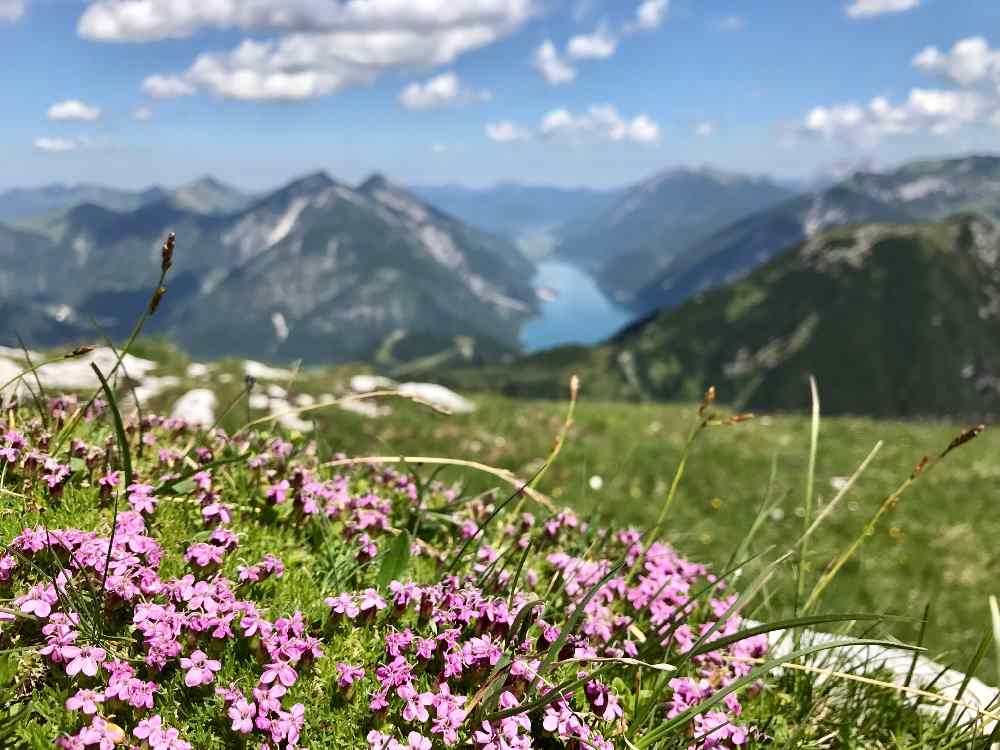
(658, 220)
(893, 320)
(317, 270)
(914, 193)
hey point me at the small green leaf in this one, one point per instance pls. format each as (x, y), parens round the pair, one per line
(395, 561)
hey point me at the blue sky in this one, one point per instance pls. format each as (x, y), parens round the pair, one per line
(572, 92)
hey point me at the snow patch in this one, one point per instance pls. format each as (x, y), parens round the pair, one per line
(441, 246)
(287, 222)
(921, 188)
(280, 326)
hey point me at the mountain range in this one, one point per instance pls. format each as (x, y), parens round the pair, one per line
(317, 270)
(892, 319)
(324, 271)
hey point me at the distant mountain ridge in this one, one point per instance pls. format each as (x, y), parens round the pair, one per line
(513, 209)
(33, 206)
(317, 270)
(929, 190)
(655, 222)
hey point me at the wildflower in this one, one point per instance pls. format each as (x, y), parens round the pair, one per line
(87, 659)
(204, 555)
(242, 713)
(344, 605)
(278, 493)
(140, 497)
(200, 669)
(38, 601)
(279, 671)
(108, 482)
(85, 701)
(348, 675)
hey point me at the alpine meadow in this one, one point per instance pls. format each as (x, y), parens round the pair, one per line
(500, 375)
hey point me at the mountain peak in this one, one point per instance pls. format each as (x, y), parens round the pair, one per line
(312, 182)
(378, 181)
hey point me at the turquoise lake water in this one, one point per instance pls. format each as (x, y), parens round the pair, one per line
(580, 314)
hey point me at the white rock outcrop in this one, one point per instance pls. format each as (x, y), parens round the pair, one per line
(196, 406)
(438, 395)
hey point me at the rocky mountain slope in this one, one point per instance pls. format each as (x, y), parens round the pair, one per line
(316, 270)
(916, 192)
(893, 320)
(658, 220)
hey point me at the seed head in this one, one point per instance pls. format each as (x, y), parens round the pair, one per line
(154, 301)
(167, 253)
(79, 351)
(964, 438)
(707, 401)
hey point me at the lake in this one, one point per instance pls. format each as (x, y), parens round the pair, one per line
(579, 314)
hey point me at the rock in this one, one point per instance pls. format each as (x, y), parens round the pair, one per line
(276, 391)
(259, 401)
(260, 371)
(8, 371)
(862, 660)
(76, 374)
(365, 408)
(153, 386)
(197, 370)
(368, 383)
(197, 406)
(290, 421)
(304, 399)
(438, 395)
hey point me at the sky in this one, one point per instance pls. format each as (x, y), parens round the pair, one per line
(594, 93)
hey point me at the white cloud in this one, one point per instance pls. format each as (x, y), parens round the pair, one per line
(11, 10)
(600, 123)
(597, 46)
(704, 129)
(167, 87)
(936, 111)
(870, 8)
(305, 65)
(438, 92)
(506, 132)
(553, 68)
(149, 20)
(649, 16)
(74, 109)
(54, 145)
(969, 61)
(969, 64)
(142, 114)
(312, 47)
